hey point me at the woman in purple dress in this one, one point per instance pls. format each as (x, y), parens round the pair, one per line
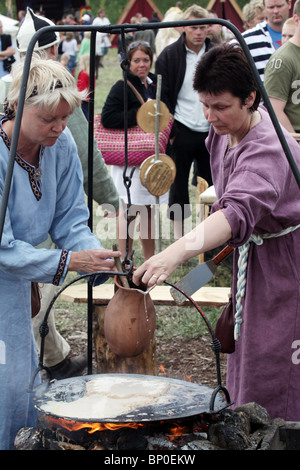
(257, 213)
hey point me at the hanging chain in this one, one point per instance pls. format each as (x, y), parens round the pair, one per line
(125, 64)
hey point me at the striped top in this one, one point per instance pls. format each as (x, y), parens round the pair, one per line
(260, 45)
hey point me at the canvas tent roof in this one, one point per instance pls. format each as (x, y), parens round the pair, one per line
(146, 7)
(10, 26)
(228, 10)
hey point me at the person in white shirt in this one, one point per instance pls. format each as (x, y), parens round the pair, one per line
(102, 40)
(176, 64)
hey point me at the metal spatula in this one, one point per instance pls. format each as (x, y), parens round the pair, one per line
(199, 276)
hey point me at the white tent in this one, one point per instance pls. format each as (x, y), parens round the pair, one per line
(11, 27)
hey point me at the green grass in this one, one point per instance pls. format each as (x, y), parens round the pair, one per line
(108, 75)
(185, 322)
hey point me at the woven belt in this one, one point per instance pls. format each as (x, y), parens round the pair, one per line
(242, 271)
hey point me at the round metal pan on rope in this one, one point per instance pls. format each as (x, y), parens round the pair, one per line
(146, 116)
(123, 398)
(157, 174)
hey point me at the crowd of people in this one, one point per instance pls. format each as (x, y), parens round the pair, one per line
(221, 132)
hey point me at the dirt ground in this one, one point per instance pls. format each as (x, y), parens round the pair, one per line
(192, 360)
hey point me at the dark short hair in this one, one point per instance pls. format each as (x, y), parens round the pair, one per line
(140, 46)
(226, 68)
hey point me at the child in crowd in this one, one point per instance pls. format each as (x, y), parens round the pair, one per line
(288, 30)
(83, 81)
(64, 59)
(85, 44)
(70, 47)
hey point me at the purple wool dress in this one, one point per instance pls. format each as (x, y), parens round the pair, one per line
(258, 193)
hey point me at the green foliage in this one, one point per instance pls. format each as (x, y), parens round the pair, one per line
(4, 9)
(107, 77)
(114, 8)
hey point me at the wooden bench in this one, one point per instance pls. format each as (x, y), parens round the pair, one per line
(206, 196)
(206, 296)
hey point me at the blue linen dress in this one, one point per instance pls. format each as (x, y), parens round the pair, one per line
(259, 194)
(56, 207)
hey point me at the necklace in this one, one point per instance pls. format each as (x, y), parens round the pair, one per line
(37, 171)
(250, 123)
(37, 174)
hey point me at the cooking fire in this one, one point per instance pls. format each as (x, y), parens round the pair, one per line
(248, 427)
(69, 434)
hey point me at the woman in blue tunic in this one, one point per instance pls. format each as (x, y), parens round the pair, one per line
(46, 197)
(257, 213)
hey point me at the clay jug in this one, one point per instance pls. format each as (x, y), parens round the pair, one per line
(129, 321)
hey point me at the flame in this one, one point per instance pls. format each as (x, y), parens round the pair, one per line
(176, 431)
(93, 427)
(187, 378)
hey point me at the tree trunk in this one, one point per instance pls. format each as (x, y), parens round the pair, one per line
(109, 363)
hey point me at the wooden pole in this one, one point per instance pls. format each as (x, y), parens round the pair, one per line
(157, 118)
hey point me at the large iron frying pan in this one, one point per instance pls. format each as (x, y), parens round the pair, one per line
(180, 399)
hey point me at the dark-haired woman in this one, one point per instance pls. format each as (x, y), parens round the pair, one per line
(258, 213)
(140, 56)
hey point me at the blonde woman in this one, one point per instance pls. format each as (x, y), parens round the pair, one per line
(166, 36)
(46, 197)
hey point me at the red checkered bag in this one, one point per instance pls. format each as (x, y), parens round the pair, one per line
(140, 144)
